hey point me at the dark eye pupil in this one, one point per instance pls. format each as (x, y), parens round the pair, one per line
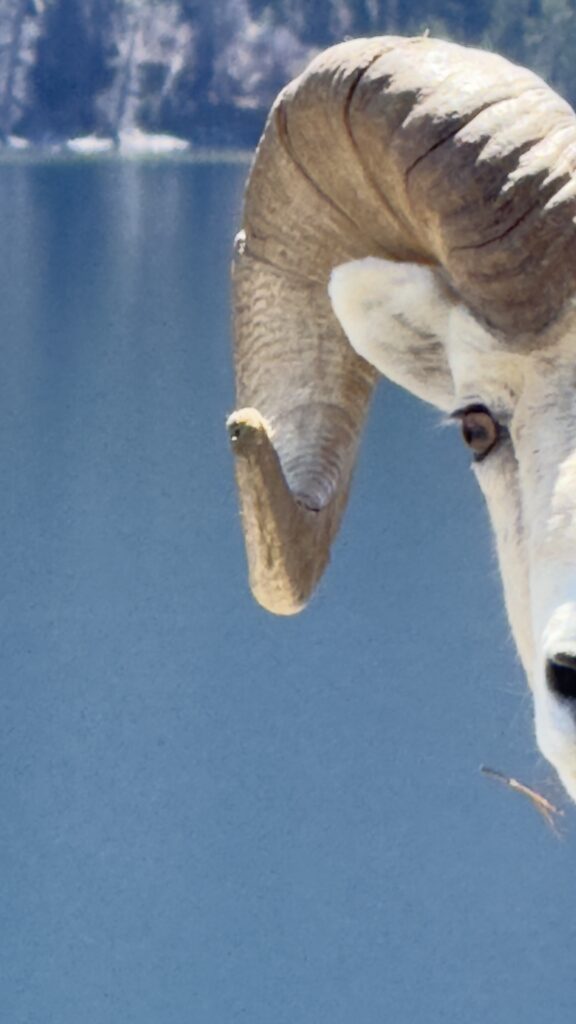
(480, 430)
(475, 434)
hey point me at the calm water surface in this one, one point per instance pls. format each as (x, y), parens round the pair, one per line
(209, 815)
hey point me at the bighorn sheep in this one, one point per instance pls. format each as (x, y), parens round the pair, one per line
(411, 209)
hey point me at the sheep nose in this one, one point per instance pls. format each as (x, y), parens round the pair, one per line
(561, 676)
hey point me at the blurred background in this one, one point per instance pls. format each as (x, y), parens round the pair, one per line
(210, 815)
(208, 71)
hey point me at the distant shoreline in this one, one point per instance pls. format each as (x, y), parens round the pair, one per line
(106, 149)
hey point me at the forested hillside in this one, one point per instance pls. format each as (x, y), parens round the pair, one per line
(207, 71)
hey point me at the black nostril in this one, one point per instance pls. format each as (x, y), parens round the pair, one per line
(561, 675)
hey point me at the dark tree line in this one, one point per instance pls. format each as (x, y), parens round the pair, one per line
(207, 70)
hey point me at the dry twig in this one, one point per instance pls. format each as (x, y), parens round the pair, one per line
(547, 809)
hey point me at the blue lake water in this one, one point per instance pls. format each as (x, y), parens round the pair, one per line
(210, 815)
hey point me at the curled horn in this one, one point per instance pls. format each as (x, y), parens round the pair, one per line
(407, 149)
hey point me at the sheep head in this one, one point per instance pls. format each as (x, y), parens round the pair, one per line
(412, 210)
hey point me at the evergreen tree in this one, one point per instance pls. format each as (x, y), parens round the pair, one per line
(73, 65)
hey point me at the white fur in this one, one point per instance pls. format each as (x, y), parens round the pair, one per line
(392, 313)
(403, 320)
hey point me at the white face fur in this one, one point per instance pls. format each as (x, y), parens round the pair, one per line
(403, 320)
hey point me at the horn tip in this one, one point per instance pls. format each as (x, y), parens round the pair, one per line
(283, 604)
(247, 428)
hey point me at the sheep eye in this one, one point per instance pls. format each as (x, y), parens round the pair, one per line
(480, 431)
